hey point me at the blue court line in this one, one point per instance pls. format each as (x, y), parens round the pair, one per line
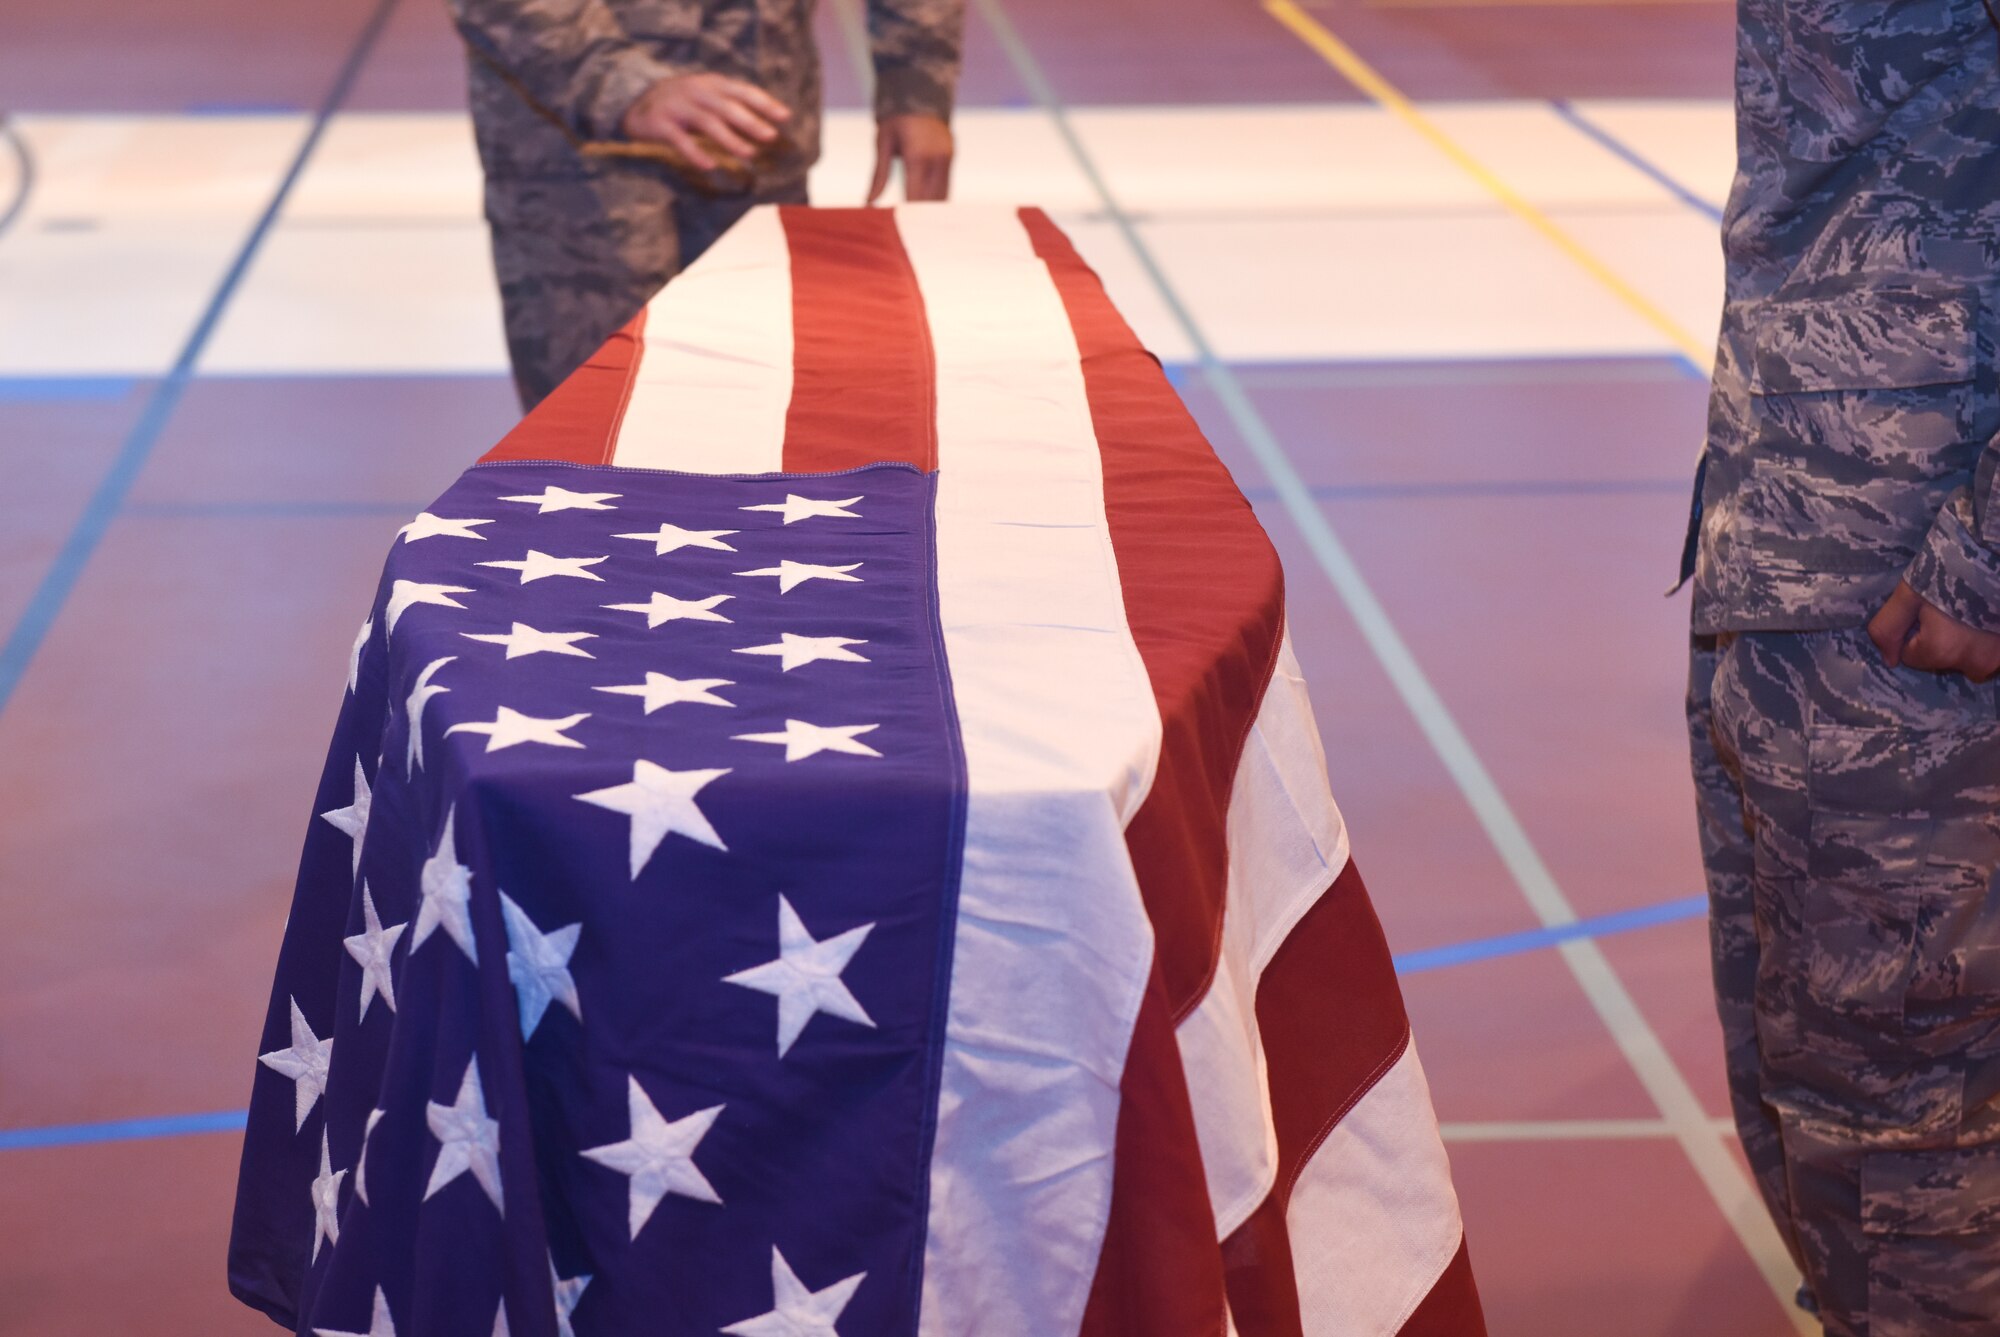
(1500, 487)
(1479, 949)
(1658, 175)
(64, 389)
(1508, 944)
(260, 510)
(1378, 373)
(122, 1130)
(59, 582)
(1632, 157)
(242, 109)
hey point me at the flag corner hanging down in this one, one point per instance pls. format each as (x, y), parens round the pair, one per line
(825, 833)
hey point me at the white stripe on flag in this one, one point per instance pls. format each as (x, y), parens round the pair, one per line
(714, 380)
(1287, 844)
(1061, 737)
(1373, 1218)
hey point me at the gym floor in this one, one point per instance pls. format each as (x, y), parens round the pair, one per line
(1438, 277)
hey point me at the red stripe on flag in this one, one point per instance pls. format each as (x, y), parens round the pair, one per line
(1159, 1273)
(1205, 598)
(1452, 1308)
(864, 384)
(578, 422)
(1208, 628)
(1334, 964)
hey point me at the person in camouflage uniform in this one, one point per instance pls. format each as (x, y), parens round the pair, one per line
(1845, 555)
(581, 237)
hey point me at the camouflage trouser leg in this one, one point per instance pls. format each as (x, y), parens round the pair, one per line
(1732, 939)
(1869, 802)
(578, 255)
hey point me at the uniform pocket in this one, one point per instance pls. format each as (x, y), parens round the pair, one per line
(1951, 771)
(1864, 415)
(1867, 871)
(1932, 1226)
(1905, 840)
(1865, 341)
(1955, 1191)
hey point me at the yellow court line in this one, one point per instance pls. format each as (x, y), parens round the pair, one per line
(1364, 77)
(1524, 4)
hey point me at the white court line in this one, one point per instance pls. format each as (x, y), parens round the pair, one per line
(1569, 1130)
(854, 37)
(1727, 1183)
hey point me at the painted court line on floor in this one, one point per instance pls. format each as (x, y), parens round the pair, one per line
(1510, 944)
(265, 510)
(1364, 77)
(45, 605)
(1485, 489)
(1636, 160)
(1725, 1180)
(64, 389)
(1570, 1130)
(121, 1130)
(1542, 369)
(1478, 949)
(234, 1121)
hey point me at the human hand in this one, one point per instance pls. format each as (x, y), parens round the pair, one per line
(1909, 630)
(698, 114)
(924, 145)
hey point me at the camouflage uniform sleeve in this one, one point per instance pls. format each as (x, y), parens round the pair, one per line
(916, 45)
(572, 56)
(1958, 567)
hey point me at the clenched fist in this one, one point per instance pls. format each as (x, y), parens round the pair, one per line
(1909, 630)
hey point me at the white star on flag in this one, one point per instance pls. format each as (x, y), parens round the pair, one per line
(538, 964)
(305, 1063)
(371, 948)
(672, 538)
(379, 1325)
(660, 690)
(568, 1291)
(352, 820)
(427, 526)
(326, 1199)
(467, 1139)
(500, 1328)
(805, 979)
(511, 727)
(795, 651)
(795, 508)
(405, 593)
(665, 608)
(803, 740)
(660, 803)
(354, 655)
(658, 1156)
(539, 566)
(796, 1311)
(447, 903)
(562, 499)
(361, 1160)
(420, 696)
(792, 574)
(525, 640)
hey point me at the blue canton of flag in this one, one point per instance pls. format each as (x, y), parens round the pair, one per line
(612, 994)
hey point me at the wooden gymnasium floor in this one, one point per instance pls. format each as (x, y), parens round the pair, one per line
(1439, 277)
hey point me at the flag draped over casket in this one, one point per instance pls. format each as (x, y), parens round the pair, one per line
(825, 835)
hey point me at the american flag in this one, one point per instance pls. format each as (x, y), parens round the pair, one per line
(826, 835)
